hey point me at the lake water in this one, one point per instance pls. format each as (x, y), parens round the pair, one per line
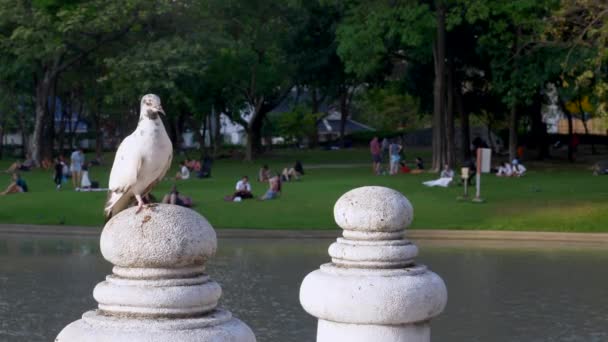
(527, 293)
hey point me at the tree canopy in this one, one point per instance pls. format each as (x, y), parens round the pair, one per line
(395, 64)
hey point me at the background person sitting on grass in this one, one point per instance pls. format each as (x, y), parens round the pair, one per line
(85, 182)
(175, 198)
(505, 170)
(600, 168)
(184, 172)
(243, 190)
(419, 166)
(518, 168)
(27, 165)
(264, 174)
(274, 188)
(445, 178)
(17, 185)
(295, 172)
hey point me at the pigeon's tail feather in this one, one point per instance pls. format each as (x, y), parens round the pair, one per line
(117, 202)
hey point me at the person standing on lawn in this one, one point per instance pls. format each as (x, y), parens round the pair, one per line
(394, 154)
(376, 151)
(58, 173)
(76, 162)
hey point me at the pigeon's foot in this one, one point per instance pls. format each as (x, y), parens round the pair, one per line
(140, 204)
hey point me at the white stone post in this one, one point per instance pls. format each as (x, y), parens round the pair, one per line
(373, 290)
(158, 290)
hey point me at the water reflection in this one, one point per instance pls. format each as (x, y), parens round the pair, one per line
(527, 294)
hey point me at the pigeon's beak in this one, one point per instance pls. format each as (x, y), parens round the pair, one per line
(159, 109)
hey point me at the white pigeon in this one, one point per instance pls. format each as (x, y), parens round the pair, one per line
(141, 161)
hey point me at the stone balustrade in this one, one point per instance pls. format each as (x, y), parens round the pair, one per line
(373, 290)
(158, 290)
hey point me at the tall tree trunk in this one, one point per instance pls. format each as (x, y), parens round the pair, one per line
(203, 137)
(314, 133)
(48, 146)
(513, 114)
(344, 112)
(570, 137)
(539, 138)
(584, 120)
(1, 138)
(465, 126)
(98, 129)
(513, 120)
(439, 152)
(217, 133)
(25, 141)
(449, 119)
(65, 115)
(254, 134)
(562, 106)
(43, 87)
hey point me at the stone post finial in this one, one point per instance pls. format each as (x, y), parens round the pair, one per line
(373, 290)
(158, 290)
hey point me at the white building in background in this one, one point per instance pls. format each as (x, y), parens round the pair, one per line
(233, 132)
(552, 114)
(12, 139)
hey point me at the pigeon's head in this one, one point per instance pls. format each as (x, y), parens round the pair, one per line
(150, 107)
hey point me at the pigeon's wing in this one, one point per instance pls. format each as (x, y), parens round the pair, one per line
(123, 176)
(127, 164)
(166, 168)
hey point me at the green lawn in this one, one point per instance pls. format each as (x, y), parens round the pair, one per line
(551, 197)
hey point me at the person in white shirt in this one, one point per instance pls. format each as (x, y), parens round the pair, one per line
(445, 178)
(519, 170)
(243, 189)
(76, 163)
(85, 182)
(505, 170)
(184, 172)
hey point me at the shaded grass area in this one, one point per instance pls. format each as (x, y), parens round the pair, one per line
(550, 198)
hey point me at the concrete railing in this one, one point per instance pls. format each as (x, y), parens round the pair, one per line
(158, 290)
(373, 290)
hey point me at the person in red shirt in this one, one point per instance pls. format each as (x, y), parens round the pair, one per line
(376, 151)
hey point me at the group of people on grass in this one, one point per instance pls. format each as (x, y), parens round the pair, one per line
(275, 182)
(513, 169)
(446, 176)
(201, 169)
(78, 171)
(393, 150)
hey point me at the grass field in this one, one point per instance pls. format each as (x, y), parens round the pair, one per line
(552, 197)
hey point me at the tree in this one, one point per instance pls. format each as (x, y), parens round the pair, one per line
(51, 37)
(520, 64)
(388, 108)
(297, 124)
(255, 34)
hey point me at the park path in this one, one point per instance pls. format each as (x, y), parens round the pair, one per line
(337, 166)
(488, 238)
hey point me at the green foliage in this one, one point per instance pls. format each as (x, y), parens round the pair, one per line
(376, 31)
(298, 123)
(389, 109)
(520, 66)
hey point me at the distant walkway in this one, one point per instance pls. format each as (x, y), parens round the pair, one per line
(513, 237)
(337, 166)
